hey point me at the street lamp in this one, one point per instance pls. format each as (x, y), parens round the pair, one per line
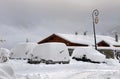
(95, 14)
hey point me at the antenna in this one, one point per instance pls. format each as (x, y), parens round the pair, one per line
(27, 40)
(116, 37)
(85, 33)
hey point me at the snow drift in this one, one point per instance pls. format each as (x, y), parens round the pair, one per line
(6, 72)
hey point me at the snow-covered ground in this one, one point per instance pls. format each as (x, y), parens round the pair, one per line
(74, 70)
(20, 69)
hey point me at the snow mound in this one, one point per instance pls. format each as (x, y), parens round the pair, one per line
(112, 62)
(89, 52)
(6, 72)
(4, 55)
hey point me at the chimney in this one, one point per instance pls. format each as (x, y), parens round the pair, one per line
(85, 33)
(27, 40)
(76, 33)
(116, 37)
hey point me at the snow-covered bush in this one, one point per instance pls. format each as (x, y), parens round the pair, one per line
(4, 55)
(6, 72)
(88, 54)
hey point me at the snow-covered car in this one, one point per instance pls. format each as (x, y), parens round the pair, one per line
(88, 54)
(50, 53)
(22, 50)
(6, 71)
(4, 55)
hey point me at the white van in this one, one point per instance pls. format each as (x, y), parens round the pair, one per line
(88, 54)
(50, 53)
(22, 50)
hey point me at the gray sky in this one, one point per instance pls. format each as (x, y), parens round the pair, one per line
(35, 19)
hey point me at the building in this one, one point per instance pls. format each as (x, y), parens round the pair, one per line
(106, 44)
(69, 39)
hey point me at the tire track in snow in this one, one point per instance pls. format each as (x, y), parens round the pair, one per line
(92, 75)
(81, 75)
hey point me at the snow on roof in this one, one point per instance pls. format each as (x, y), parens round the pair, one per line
(80, 39)
(108, 39)
(88, 39)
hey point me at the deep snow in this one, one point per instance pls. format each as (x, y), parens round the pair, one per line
(74, 70)
(20, 69)
(6, 71)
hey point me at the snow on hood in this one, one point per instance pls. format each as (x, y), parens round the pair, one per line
(90, 53)
(81, 39)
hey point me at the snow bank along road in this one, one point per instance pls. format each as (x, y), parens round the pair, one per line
(76, 70)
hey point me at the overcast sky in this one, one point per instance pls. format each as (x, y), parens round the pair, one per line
(35, 19)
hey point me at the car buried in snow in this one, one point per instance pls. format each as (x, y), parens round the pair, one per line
(21, 51)
(49, 53)
(88, 54)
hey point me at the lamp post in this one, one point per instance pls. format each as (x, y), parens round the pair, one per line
(95, 14)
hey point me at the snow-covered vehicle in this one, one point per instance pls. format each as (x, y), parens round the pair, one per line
(6, 71)
(88, 54)
(50, 53)
(4, 55)
(22, 50)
